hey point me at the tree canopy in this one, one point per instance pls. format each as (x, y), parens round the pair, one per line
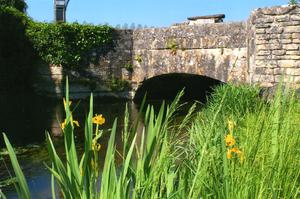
(18, 4)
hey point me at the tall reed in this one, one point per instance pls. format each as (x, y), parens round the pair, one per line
(238, 146)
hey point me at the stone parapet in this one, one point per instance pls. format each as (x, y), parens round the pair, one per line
(274, 49)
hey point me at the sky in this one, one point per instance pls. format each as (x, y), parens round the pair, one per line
(158, 13)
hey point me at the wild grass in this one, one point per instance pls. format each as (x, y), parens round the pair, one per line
(238, 146)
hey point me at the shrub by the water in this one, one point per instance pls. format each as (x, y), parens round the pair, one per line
(18, 4)
(17, 56)
(239, 99)
(231, 149)
(69, 45)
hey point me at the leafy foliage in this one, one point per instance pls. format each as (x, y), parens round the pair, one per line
(16, 53)
(239, 100)
(68, 45)
(293, 2)
(172, 45)
(118, 84)
(18, 4)
(129, 67)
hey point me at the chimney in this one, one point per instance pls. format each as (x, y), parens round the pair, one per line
(60, 8)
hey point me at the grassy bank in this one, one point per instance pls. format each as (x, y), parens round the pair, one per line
(238, 146)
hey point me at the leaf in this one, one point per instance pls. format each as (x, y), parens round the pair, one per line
(22, 183)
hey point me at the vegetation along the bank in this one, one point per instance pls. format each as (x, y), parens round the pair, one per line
(68, 45)
(26, 42)
(237, 146)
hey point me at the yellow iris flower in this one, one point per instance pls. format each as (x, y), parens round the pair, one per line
(98, 119)
(63, 125)
(236, 151)
(229, 154)
(229, 140)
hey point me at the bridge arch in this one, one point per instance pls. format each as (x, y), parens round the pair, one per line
(166, 86)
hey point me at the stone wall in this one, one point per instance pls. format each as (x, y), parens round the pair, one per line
(258, 51)
(274, 45)
(95, 77)
(215, 50)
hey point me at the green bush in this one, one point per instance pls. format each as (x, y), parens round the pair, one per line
(119, 85)
(16, 52)
(293, 2)
(68, 45)
(239, 100)
(18, 4)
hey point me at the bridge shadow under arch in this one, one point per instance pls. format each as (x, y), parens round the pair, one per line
(167, 86)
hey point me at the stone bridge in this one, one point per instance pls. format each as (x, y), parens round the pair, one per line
(262, 50)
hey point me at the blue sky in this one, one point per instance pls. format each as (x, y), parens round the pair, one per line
(147, 12)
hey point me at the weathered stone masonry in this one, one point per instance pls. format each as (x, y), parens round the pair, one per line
(274, 45)
(213, 50)
(258, 51)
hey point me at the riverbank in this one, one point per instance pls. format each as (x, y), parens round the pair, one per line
(238, 146)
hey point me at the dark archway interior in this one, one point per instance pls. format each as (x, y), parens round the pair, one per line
(166, 87)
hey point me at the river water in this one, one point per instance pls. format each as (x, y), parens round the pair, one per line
(26, 117)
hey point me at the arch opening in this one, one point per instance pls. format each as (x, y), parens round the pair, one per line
(167, 86)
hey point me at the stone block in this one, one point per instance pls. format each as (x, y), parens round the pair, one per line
(291, 46)
(260, 31)
(296, 41)
(296, 36)
(293, 52)
(293, 57)
(295, 17)
(266, 63)
(262, 25)
(283, 18)
(262, 37)
(274, 36)
(288, 63)
(264, 57)
(286, 57)
(272, 46)
(292, 29)
(274, 30)
(264, 52)
(278, 52)
(287, 71)
(296, 72)
(264, 71)
(258, 42)
(286, 41)
(278, 71)
(263, 78)
(278, 10)
(264, 20)
(290, 23)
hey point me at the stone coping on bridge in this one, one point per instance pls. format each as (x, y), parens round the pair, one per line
(217, 18)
